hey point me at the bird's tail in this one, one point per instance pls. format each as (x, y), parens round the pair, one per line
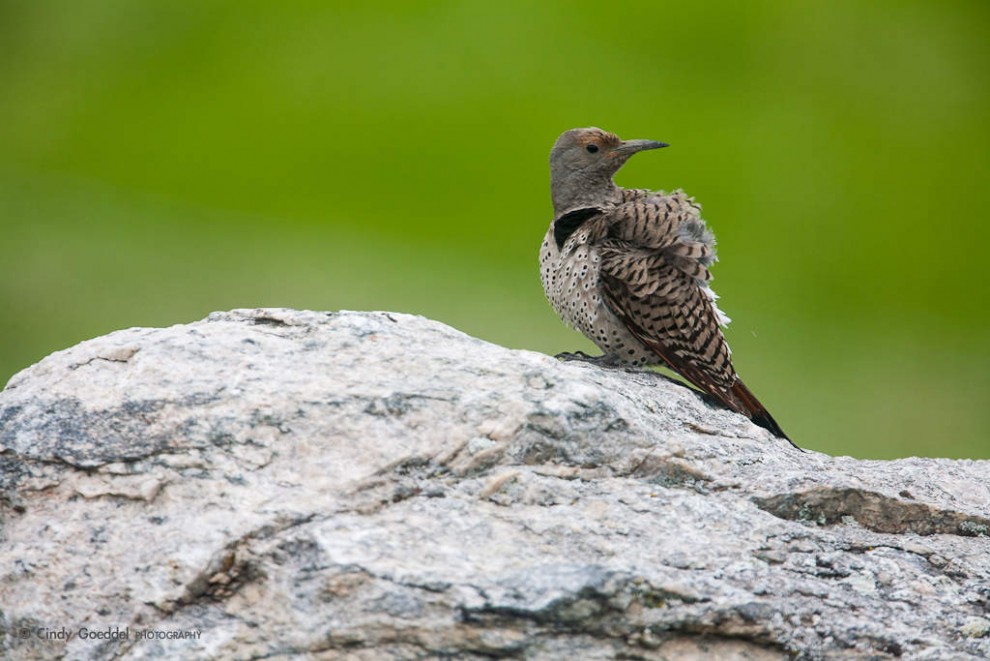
(756, 411)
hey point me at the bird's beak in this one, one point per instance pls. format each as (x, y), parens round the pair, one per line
(630, 147)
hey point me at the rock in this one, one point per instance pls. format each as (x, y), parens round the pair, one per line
(380, 486)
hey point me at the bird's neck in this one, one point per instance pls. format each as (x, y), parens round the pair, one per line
(583, 190)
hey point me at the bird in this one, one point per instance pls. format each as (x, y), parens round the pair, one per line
(629, 268)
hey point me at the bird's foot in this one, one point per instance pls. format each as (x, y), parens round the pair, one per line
(607, 360)
(573, 355)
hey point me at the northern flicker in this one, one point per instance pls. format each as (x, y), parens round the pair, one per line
(629, 269)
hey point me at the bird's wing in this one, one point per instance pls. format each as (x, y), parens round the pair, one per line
(654, 272)
(655, 252)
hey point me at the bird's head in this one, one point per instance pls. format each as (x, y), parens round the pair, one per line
(583, 161)
(594, 149)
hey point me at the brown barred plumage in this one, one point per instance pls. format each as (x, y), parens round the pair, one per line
(629, 269)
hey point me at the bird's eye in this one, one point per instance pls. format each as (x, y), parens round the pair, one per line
(592, 148)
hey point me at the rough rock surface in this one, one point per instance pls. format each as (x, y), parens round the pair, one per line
(273, 483)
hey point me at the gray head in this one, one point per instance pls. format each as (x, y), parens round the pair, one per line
(582, 163)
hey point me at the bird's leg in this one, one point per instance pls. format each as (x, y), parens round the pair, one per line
(606, 360)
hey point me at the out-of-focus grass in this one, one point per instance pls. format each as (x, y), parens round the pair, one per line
(161, 160)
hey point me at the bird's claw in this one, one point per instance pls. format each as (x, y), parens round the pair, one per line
(573, 355)
(606, 360)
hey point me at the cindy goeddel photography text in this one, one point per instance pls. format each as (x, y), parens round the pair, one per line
(106, 633)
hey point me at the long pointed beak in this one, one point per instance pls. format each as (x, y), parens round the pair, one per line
(632, 146)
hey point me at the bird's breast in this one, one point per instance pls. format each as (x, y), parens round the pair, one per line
(570, 280)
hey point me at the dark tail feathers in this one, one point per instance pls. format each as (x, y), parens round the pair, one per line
(756, 412)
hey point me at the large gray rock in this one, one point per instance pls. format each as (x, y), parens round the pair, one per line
(380, 486)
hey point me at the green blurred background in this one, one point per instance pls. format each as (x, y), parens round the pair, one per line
(160, 159)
